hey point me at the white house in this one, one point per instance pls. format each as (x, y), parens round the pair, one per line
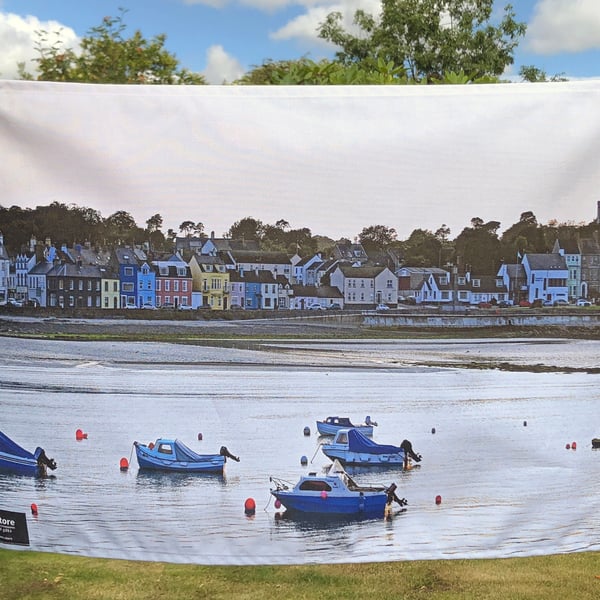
(546, 276)
(365, 286)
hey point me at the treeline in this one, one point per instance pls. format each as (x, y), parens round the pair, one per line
(407, 42)
(478, 247)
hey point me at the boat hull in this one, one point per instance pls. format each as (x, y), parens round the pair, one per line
(17, 465)
(346, 457)
(329, 429)
(367, 505)
(149, 460)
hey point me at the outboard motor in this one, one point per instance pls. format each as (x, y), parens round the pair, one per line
(391, 496)
(224, 452)
(44, 462)
(408, 451)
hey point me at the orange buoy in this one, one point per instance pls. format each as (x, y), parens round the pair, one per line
(124, 464)
(438, 499)
(249, 506)
(34, 510)
(79, 435)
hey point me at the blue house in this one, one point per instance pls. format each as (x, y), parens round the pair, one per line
(146, 285)
(127, 266)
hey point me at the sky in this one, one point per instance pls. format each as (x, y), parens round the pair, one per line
(225, 38)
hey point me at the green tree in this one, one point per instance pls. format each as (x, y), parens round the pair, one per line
(108, 56)
(248, 228)
(429, 39)
(325, 72)
(479, 247)
(376, 238)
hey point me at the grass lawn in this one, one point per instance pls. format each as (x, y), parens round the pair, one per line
(32, 575)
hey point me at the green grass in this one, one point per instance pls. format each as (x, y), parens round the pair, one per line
(33, 575)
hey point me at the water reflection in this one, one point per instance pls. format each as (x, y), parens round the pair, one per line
(507, 489)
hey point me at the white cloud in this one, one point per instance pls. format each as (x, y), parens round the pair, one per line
(18, 38)
(564, 26)
(221, 67)
(213, 3)
(304, 27)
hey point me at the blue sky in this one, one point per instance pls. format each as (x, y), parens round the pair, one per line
(224, 38)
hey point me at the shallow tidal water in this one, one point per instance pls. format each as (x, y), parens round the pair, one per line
(497, 458)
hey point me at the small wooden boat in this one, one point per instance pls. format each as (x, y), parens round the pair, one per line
(16, 460)
(331, 425)
(351, 447)
(173, 455)
(334, 493)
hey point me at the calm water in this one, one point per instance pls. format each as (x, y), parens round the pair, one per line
(507, 489)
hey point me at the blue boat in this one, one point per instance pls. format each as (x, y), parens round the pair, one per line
(331, 425)
(334, 493)
(351, 447)
(16, 460)
(172, 455)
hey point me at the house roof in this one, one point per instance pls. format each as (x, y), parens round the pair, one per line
(361, 272)
(546, 262)
(589, 246)
(270, 258)
(257, 276)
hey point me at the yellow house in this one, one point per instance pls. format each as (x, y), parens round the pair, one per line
(210, 277)
(111, 289)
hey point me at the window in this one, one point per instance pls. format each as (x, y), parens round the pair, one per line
(461, 281)
(115, 286)
(128, 271)
(315, 486)
(181, 271)
(106, 286)
(128, 287)
(176, 286)
(476, 283)
(89, 285)
(167, 285)
(184, 286)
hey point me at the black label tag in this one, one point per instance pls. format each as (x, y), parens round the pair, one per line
(13, 528)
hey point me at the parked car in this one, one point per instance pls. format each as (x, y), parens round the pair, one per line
(148, 306)
(14, 302)
(168, 306)
(561, 302)
(382, 307)
(32, 303)
(334, 306)
(583, 302)
(315, 307)
(548, 303)
(185, 307)
(485, 305)
(524, 303)
(504, 304)
(130, 306)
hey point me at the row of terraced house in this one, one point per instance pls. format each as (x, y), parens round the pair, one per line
(222, 274)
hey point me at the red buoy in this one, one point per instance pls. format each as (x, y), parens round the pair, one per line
(568, 446)
(249, 506)
(438, 499)
(124, 464)
(324, 495)
(278, 503)
(574, 445)
(151, 445)
(199, 437)
(34, 510)
(79, 435)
